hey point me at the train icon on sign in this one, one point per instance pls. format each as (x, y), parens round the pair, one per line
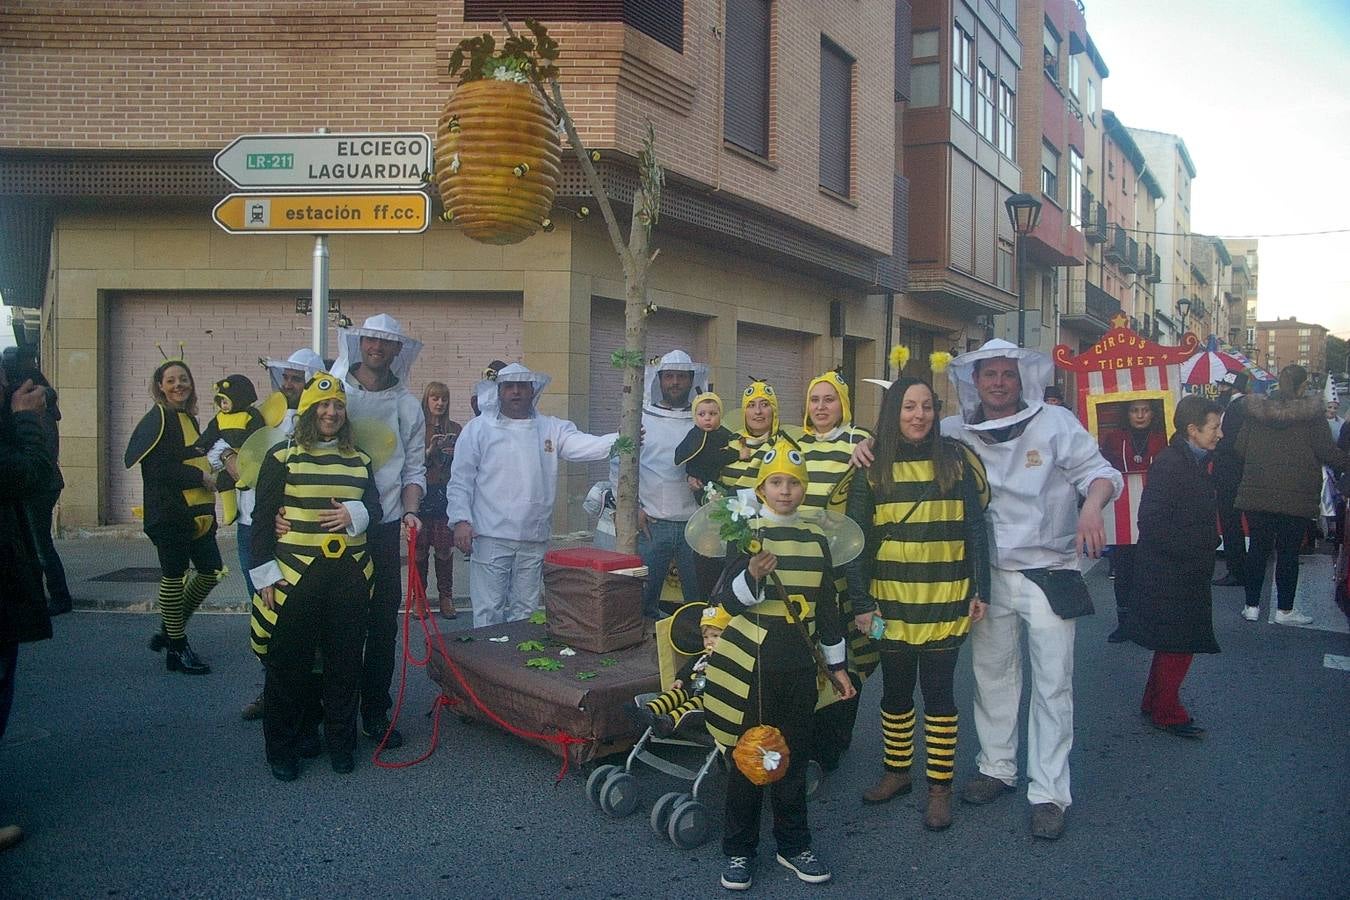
(259, 214)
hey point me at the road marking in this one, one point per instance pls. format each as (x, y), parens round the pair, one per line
(1332, 661)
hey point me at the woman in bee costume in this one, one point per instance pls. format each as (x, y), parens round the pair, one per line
(920, 580)
(827, 443)
(179, 509)
(315, 581)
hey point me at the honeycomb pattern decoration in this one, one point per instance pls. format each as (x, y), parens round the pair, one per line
(498, 160)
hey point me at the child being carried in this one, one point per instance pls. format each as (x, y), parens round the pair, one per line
(708, 447)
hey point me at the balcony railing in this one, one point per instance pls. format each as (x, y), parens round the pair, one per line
(1094, 220)
(1087, 301)
(1130, 264)
(1117, 245)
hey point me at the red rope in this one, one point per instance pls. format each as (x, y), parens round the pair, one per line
(434, 642)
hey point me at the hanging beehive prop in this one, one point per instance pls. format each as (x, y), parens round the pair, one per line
(498, 155)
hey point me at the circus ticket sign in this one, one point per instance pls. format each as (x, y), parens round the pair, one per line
(1125, 371)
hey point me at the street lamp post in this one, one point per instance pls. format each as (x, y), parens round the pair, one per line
(1024, 211)
(1184, 308)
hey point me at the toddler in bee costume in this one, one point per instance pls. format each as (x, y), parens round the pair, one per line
(315, 583)
(234, 421)
(664, 712)
(763, 671)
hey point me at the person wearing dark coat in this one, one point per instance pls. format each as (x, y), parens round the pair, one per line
(1227, 475)
(25, 471)
(1284, 444)
(1170, 599)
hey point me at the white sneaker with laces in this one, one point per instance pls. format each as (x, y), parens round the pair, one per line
(1251, 613)
(1292, 617)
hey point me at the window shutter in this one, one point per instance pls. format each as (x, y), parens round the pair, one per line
(836, 118)
(746, 70)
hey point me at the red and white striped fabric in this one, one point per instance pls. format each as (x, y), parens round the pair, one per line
(1122, 519)
(1133, 378)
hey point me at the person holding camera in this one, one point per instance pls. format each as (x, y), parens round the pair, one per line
(25, 470)
(436, 538)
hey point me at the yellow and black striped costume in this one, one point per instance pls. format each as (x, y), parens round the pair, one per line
(827, 459)
(165, 445)
(302, 482)
(926, 557)
(760, 637)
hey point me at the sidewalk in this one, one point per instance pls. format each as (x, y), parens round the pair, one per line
(97, 554)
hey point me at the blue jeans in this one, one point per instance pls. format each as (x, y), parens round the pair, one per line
(244, 535)
(666, 542)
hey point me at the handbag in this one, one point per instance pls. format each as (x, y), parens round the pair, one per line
(1065, 589)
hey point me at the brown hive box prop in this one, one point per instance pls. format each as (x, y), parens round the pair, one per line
(591, 609)
(540, 701)
(497, 160)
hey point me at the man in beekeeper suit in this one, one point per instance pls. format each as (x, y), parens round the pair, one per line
(1040, 461)
(503, 483)
(665, 502)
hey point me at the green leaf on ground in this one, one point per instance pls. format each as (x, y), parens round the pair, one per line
(609, 661)
(546, 663)
(530, 646)
(585, 676)
(538, 617)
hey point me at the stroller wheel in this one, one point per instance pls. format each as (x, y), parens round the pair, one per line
(814, 776)
(597, 781)
(662, 809)
(619, 794)
(688, 825)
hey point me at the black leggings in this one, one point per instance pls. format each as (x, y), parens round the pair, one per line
(1283, 534)
(936, 670)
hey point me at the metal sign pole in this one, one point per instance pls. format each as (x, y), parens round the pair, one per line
(318, 305)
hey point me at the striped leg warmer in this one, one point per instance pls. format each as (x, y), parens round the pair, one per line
(939, 737)
(897, 737)
(171, 606)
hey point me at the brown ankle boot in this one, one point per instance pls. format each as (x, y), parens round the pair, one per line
(939, 814)
(447, 610)
(891, 785)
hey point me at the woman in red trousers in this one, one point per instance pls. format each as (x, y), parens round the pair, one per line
(1170, 601)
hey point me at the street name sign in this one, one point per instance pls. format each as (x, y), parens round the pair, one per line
(336, 162)
(391, 212)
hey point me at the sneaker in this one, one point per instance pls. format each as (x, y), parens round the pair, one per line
(254, 711)
(1291, 617)
(983, 789)
(1047, 821)
(1251, 613)
(807, 867)
(1188, 730)
(376, 731)
(739, 873)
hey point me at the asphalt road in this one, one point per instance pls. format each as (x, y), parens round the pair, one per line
(132, 782)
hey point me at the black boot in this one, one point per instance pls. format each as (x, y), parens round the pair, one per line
(183, 659)
(158, 641)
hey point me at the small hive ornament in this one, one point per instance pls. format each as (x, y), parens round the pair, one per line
(761, 754)
(500, 160)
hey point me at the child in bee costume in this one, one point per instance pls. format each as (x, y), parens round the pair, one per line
(233, 422)
(763, 671)
(319, 576)
(664, 712)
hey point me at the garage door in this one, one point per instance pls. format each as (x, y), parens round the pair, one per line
(224, 334)
(666, 330)
(780, 358)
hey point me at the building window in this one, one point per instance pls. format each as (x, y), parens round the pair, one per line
(1007, 120)
(923, 84)
(1305, 332)
(1092, 100)
(1075, 189)
(985, 119)
(963, 75)
(836, 118)
(1051, 51)
(1050, 172)
(925, 44)
(1073, 76)
(746, 75)
(1003, 276)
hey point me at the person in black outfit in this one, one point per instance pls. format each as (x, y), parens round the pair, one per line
(179, 509)
(25, 472)
(1227, 475)
(20, 366)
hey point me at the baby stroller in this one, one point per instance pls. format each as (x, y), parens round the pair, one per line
(681, 817)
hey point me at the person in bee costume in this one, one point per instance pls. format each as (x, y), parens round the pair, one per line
(316, 581)
(763, 671)
(827, 442)
(234, 421)
(179, 509)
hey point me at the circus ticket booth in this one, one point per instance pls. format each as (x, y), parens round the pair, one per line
(1128, 388)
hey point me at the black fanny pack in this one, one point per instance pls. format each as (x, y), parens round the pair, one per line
(1065, 589)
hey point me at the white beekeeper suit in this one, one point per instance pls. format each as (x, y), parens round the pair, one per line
(1039, 460)
(395, 406)
(503, 483)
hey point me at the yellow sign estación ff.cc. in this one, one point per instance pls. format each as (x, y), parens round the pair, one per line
(389, 212)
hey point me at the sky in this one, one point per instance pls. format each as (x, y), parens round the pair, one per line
(1258, 93)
